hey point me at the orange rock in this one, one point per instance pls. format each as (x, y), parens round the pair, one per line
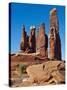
(47, 72)
(54, 38)
(42, 41)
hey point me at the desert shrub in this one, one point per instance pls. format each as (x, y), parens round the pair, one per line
(22, 68)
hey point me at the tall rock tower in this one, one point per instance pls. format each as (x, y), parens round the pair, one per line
(42, 41)
(54, 38)
(32, 39)
(24, 40)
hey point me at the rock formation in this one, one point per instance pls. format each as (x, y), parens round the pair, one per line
(54, 38)
(24, 41)
(33, 62)
(32, 39)
(29, 44)
(42, 41)
(50, 72)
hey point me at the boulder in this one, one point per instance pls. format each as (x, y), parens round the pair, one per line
(47, 72)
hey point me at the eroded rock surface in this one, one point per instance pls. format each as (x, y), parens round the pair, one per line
(32, 39)
(24, 45)
(42, 41)
(47, 73)
(54, 37)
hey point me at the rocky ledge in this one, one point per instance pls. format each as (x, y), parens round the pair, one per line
(50, 72)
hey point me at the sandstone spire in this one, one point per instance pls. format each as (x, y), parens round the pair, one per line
(42, 41)
(54, 38)
(54, 19)
(32, 39)
(24, 40)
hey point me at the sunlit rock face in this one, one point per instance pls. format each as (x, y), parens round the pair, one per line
(42, 41)
(54, 37)
(24, 40)
(50, 72)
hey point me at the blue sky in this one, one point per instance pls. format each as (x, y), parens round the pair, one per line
(34, 14)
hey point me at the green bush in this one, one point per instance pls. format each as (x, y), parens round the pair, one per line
(22, 68)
